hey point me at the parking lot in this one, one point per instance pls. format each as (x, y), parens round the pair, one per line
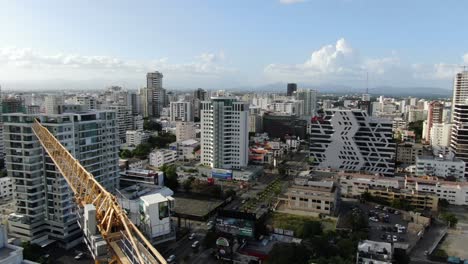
(384, 223)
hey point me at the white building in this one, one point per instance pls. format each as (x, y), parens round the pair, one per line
(150, 208)
(292, 107)
(373, 252)
(10, 254)
(460, 90)
(224, 133)
(440, 134)
(181, 111)
(458, 142)
(186, 149)
(53, 104)
(454, 192)
(124, 119)
(159, 157)
(351, 140)
(355, 184)
(136, 137)
(309, 97)
(255, 119)
(440, 167)
(185, 131)
(6, 188)
(44, 203)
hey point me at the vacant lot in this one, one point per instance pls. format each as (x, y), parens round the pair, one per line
(296, 222)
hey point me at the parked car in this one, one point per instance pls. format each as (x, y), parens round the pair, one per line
(170, 259)
(79, 256)
(373, 219)
(192, 236)
(395, 238)
(195, 244)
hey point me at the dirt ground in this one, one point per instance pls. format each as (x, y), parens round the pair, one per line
(457, 239)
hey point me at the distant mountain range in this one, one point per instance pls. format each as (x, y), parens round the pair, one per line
(342, 89)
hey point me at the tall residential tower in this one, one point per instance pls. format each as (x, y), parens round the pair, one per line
(224, 133)
(45, 207)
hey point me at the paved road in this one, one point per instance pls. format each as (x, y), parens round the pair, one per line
(426, 243)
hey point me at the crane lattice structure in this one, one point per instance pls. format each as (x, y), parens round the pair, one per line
(126, 243)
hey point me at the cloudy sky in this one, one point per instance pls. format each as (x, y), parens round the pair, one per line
(233, 43)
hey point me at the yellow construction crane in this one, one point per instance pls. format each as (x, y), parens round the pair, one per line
(127, 244)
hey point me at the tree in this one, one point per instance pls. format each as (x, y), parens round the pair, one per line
(312, 228)
(417, 127)
(151, 125)
(450, 219)
(187, 184)
(162, 140)
(126, 154)
(443, 203)
(142, 151)
(170, 177)
(288, 253)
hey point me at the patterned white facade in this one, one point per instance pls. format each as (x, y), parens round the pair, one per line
(351, 140)
(224, 133)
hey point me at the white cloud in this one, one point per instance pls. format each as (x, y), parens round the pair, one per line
(24, 59)
(340, 63)
(290, 2)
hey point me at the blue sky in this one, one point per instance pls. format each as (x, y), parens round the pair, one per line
(224, 44)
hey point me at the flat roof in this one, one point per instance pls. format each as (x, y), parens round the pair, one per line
(153, 198)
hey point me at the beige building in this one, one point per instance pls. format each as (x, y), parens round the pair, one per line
(418, 200)
(407, 152)
(312, 196)
(355, 184)
(185, 131)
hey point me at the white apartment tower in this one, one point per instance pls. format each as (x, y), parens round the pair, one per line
(309, 96)
(45, 207)
(224, 133)
(181, 111)
(351, 140)
(460, 89)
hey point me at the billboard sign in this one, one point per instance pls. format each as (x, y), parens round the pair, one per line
(221, 174)
(236, 223)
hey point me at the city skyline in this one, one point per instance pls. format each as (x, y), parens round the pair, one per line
(230, 45)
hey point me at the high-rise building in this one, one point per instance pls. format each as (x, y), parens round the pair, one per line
(351, 140)
(460, 89)
(199, 96)
(224, 133)
(459, 137)
(124, 119)
(44, 202)
(291, 88)
(309, 97)
(434, 116)
(154, 95)
(281, 125)
(181, 111)
(53, 104)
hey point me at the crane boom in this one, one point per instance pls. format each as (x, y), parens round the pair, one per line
(112, 222)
